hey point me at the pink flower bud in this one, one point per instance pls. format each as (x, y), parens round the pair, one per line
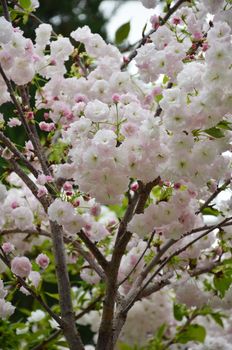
(43, 179)
(87, 227)
(53, 62)
(14, 205)
(76, 203)
(95, 210)
(116, 98)
(197, 35)
(46, 126)
(177, 185)
(67, 186)
(42, 260)
(42, 192)
(134, 186)
(49, 178)
(81, 98)
(7, 247)
(176, 20)
(157, 91)
(46, 116)
(205, 46)
(155, 22)
(125, 59)
(29, 115)
(21, 266)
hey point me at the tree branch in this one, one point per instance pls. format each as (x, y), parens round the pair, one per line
(58, 332)
(7, 142)
(37, 297)
(67, 314)
(143, 41)
(214, 195)
(94, 250)
(106, 331)
(180, 250)
(145, 191)
(5, 10)
(78, 247)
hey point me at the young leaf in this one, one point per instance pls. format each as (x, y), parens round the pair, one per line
(214, 132)
(222, 283)
(26, 4)
(179, 311)
(194, 332)
(211, 211)
(122, 33)
(224, 124)
(217, 317)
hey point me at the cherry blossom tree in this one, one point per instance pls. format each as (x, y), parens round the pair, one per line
(116, 212)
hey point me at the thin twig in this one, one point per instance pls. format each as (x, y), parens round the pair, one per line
(7, 142)
(94, 250)
(58, 332)
(37, 297)
(77, 246)
(180, 250)
(143, 41)
(5, 10)
(140, 258)
(214, 195)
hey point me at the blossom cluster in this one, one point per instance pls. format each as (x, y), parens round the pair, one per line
(110, 135)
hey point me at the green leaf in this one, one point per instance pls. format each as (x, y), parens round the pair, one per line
(217, 317)
(179, 311)
(222, 283)
(194, 332)
(214, 132)
(211, 211)
(25, 19)
(26, 4)
(122, 33)
(165, 79)
(158, 98)
(57, 152)
(224, 124)
(53, 295)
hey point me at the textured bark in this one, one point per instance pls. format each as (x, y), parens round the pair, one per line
(67, 314)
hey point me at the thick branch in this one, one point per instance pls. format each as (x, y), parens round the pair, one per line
(106, 331)
(58, 332)
(67, 314)
(145, 191)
